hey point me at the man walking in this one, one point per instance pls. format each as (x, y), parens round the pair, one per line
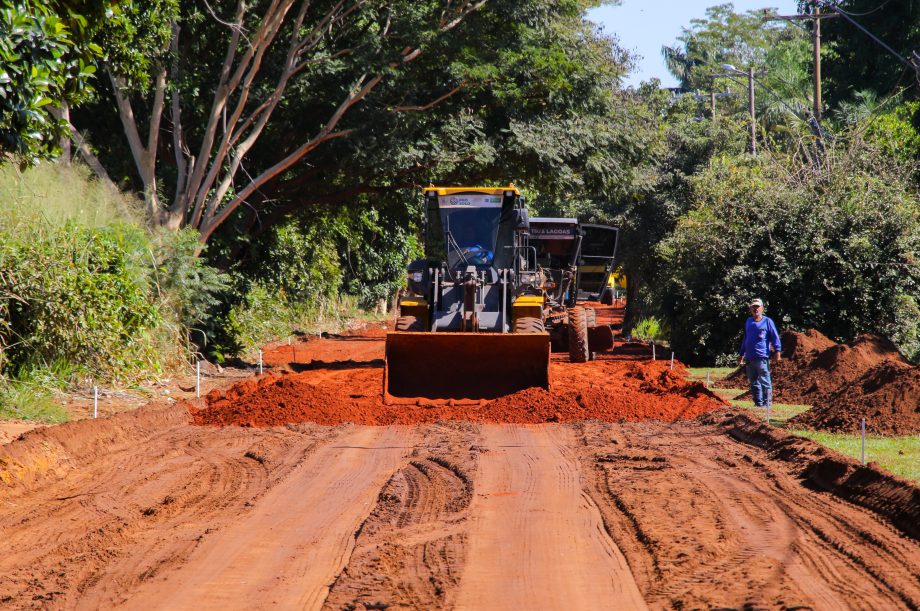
(760, 335)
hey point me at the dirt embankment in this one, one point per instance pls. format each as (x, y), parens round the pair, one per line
(866, 378)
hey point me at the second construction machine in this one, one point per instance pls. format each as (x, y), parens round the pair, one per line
(495, 291)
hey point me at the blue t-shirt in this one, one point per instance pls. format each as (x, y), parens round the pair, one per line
(757, 338)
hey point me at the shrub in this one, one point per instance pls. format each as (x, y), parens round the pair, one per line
(266, 314)
(189, 291)
(649, 329)
(82, 281)
(83, 295)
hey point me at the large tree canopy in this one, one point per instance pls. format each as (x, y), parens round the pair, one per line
(723, 37)
(316, 103)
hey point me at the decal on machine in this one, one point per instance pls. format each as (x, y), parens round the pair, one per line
(470, 200)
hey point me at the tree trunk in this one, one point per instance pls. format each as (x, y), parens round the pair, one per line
(63, 113)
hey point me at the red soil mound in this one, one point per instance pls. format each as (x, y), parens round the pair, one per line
(886, 395)
(604, 390)
(804, 347)
(799, 353)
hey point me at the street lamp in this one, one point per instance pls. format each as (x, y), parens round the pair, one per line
(750, 74)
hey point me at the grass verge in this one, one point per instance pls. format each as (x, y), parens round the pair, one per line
(22, 402)
(900, 455)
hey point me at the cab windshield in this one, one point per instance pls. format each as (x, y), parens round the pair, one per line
(470, 234)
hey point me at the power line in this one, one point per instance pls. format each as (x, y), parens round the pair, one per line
(875, 10)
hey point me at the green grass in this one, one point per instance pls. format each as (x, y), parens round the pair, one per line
(715, 373)
(729, 393)
(23, 402)
(779, 412)
(56, 194)
(900, 455)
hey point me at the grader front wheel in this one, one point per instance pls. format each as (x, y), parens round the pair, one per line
(528, 324)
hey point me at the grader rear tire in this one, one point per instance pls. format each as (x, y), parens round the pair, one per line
(408, 323)
(578, 336)
(591, 317)
(528, 324)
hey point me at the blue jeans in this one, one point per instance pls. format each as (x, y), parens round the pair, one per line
(758, 373)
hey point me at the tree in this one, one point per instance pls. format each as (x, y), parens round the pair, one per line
(46, 64)
(854, 62)
(368, 98)
(687, 147)
(272, 50)
(783, 94)
(836, 251)
(724, 37)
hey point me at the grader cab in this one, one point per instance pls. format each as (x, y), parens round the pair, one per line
(473, 320)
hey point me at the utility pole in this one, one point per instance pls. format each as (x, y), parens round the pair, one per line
(711, 96)
(816, 16)
(816, 43)
(750, 75)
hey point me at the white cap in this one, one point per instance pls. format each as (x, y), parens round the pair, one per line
(756, 302)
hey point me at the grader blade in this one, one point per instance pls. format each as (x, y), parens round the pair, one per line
(464, 365)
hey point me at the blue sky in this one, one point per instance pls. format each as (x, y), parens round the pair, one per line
(643, 26)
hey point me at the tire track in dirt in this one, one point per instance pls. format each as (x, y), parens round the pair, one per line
(193, 496)
(535, 538)
(294, 540)
(410, 551)
(86, 539)
(706, 521)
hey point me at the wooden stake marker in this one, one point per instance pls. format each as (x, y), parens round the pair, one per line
(862, 434)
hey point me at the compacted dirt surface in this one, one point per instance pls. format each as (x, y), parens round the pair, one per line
(622, 487)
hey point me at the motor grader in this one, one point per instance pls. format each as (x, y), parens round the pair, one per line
(495, 292)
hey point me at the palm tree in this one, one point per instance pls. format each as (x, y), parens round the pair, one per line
(863, 105)
(678, 64)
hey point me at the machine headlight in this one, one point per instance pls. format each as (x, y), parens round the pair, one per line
(416, 276)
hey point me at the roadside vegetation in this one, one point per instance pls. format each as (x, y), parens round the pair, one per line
(89, 294)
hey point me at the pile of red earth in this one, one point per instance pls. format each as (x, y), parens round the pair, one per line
(867, 378)
(602, 390)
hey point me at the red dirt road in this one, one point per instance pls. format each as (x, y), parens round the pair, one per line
(336, 487)
(489, 511)
(558, 555)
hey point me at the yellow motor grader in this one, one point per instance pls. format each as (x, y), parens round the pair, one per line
(495, 291)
